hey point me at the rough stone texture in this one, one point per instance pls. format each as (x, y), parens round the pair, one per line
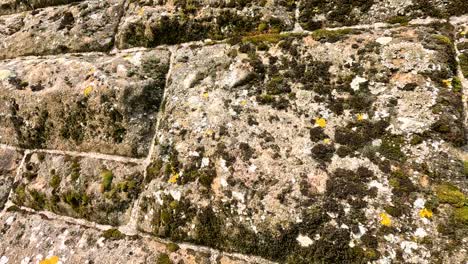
(152, 23)
(31, 238)
(90, 102)
(97, 190)
(9, 162)
(285, 131)
(243, 162)
(315, 14)
(15, 6)
(87, 26)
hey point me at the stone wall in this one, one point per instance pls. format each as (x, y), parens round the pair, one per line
(242, 131)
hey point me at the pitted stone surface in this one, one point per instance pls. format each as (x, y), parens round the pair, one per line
(16, 6)
(91, 102)
(97, 190)
(257, 139)
(9, 162)
(314, 14)
(87, 26)
(31, 238)
(152, 23)
(275, 130)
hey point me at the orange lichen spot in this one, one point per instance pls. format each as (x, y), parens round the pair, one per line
(321, 122)
(51, 260)
(425, 213)
(87, 91)
(385, 219)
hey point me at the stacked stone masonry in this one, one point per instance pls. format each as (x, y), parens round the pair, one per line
(233, 131)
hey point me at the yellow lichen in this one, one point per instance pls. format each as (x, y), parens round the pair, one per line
(205, 95)
(243, 102)
(141, 12)
(209, 132)
(360, 117)
(321, 122)
(447, 83)
(173, 178)
(385, 219)
(87, 91)
(425, 213)
(327, 141)
(51, 260)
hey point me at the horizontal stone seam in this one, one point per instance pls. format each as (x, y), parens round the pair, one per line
(114, 50)
(92, 155)
(99, 227)
(75, 2)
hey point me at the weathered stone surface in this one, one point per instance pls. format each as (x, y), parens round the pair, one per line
(152, 23)
(461, 37)
(90, 102)
(315, 14)
(312, 148)
(102, 191)
(15, 6)
(9, 162)
(86, 26)
(298, 131)
(28, 238)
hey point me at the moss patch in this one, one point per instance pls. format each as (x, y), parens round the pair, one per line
(448, 193)
(463, 58)
(163, 259)
(113, 234)
(461, 215)
(106, 180)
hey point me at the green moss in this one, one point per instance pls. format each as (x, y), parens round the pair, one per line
(448, 193)
(463, 58)
(77, 200)
(163, 259)
(465, 168)
(443, 39)
(265, 99)
(268, 38)
(402, 20)
(172, 247)
(456, 85)
(401, 184)
(20, 194)
(38, 199)
(75, 170)
(391, 147)
(55, 181)
(106, 180)
(461, 215)
(277, 85)
(323, 152)
(331, 35)
(112, 234)
(416, 140)
(262, 27)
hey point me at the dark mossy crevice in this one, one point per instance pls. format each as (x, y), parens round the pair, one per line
(358, 134)
(340, 12)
